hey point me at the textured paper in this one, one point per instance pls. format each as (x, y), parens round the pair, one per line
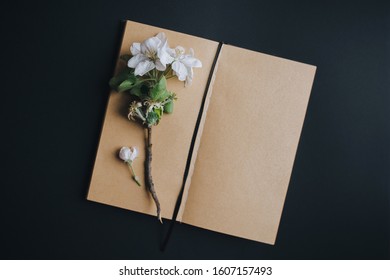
(248, 145)
(111, 181)
(244, 150)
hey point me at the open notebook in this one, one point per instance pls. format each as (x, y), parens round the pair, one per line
(238, 126)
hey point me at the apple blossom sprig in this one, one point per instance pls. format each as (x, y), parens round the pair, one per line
(128, 155)
(149, 66)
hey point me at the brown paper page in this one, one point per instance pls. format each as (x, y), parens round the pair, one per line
(111, 181)
(198, 137)
(248, 146)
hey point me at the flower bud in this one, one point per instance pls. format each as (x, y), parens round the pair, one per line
(128, 154)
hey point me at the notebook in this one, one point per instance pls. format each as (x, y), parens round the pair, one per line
(226, 152)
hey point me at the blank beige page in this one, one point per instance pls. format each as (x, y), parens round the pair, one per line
(111, 181)
(249, 142)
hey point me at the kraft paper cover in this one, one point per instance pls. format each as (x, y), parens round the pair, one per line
(248, 145)
(111, 181)
(244, 150)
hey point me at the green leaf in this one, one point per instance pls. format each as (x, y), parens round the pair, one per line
(162, 84)
(126, 85)
(125, 57)
(163, 96)
(125, 74)
(168, 108)
(159, 91)
(136, 91)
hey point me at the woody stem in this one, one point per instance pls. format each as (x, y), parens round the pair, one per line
(148, 172)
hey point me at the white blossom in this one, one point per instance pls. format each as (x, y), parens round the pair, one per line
(183, 64)
(128, 154)
(150, 54)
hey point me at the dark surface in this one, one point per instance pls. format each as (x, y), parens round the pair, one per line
(56, 60)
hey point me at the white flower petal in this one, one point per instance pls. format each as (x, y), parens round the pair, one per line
(144, 67)
(189, 77)
(188, 82)
(180, 70)
(160, 66)
(171, 52)
(164, 56)
(150, 46)
(135, 48)
(191, 62)
(162, 37)
(124, 154)
(164, 52)
(134, 153)
(135, 60)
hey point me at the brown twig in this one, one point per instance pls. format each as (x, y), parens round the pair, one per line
(148, 172)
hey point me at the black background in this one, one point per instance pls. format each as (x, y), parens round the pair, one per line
(56, 60)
